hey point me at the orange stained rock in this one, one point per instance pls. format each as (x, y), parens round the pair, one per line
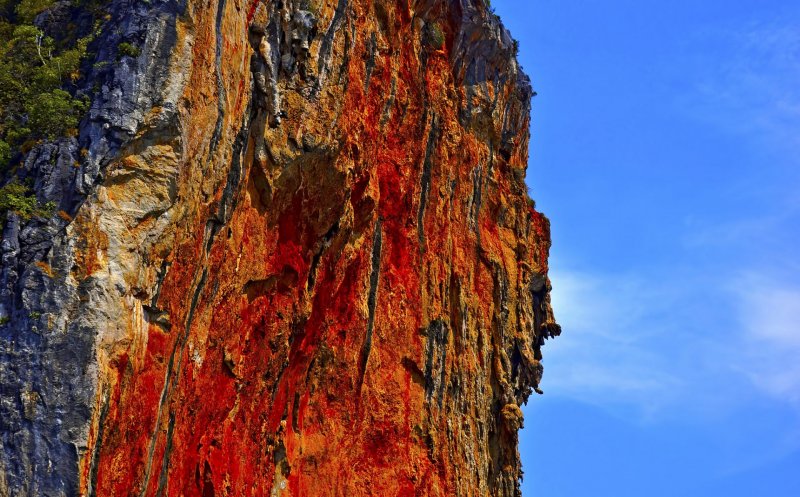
(349, 303)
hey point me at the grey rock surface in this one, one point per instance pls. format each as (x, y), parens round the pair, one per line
(48, 338)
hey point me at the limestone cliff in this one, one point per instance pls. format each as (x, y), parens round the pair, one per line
(294, 256)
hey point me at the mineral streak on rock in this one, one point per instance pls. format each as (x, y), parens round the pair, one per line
(299, 260)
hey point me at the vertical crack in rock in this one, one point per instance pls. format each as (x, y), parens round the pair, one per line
(372, 301)
(221, 94)
(296, 413)
(476, 200)
(324, 244)
(372, 47)
(387, 109)
(208, 481)
(323, 60)
(101, 425)
(164, 475)
(425, 180)
(232, 183)
(226, 205)
(436, 359)
(162, 273)
(173, 370)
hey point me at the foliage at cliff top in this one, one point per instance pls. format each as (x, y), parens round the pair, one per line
(38, 77)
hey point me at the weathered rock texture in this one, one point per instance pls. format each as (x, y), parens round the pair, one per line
(296, 258)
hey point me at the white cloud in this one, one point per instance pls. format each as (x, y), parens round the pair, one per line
(606, 356)
(673, 345)
(748, 83)
(769, 314)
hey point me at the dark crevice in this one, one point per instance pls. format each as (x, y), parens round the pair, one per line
(208, 481)
(195, 299)
(220, 85)
(516, 363)
(505, 152)
(229, 193)
(229, 367)
(158, 317)
(212, 229)
(417, 375)
(228, 201)
(387, 109)
(436, 356)
(278, 379)
(281, 460)
(296, 412)
(425, 181)
(372, 47)
(443, 372)
(164, 476)
(95, 463)
(168, 381)
(327, 41)
(345, 62)
(475, 207)
(159, 281)
(372, 301)
(324, 244)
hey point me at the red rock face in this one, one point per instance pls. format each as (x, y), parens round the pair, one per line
(348, 302)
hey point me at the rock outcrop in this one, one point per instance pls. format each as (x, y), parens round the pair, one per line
(294, 256)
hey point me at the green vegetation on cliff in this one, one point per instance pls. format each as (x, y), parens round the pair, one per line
(38, 77)
(18, 198)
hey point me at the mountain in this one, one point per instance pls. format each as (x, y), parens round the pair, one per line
(285, 248)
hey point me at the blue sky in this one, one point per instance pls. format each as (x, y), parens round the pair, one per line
(666, 150)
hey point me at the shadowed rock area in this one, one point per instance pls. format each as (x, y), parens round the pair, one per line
(293, 256)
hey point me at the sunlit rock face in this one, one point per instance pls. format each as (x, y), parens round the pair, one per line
(296, 258)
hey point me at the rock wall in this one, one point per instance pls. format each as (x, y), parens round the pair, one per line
(295, 256)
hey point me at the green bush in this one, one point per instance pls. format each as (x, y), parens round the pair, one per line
(127, 49)
(434, 36)
(27, 10)
(16, 197)
(5, 154)
(54, 113)
(37, 80)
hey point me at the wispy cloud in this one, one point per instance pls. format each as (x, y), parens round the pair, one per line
(750, 84)
(606, 356)
(661, 345)
(769, 315)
